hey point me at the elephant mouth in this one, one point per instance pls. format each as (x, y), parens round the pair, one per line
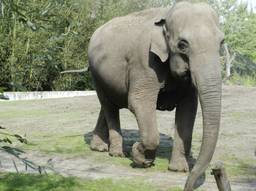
(184, 75)
(169, 97)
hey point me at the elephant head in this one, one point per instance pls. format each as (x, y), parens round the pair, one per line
(189, 39)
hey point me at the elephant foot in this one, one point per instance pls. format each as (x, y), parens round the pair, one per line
(178, 165)
(181, 164)
(97, 144)
(142, 157)
(116, 150)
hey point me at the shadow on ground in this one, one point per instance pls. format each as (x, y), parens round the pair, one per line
(130, 136)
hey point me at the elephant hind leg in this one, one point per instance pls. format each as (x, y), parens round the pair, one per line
(100, 136)
(115, 135)
(110, 117)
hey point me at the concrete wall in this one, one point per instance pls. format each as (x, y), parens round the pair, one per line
(46, 95)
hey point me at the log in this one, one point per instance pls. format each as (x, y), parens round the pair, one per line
(221, 177)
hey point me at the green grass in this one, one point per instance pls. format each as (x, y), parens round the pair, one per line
(176, 189)
(67, 143)
(161, 165)
(35, 109)
(242, 116)
(55, 144)
(236, 167)
(30, 182)
(76, 146)
(23, 113)
(9, 110)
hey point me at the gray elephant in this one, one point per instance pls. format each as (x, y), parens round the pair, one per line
(159, 59)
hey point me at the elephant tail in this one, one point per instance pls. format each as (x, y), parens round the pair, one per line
(87, 69)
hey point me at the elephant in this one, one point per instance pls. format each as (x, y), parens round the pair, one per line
(159, 59)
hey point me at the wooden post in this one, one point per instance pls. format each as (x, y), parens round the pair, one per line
(221, 177)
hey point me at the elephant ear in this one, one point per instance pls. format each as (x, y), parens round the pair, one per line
(158, 44)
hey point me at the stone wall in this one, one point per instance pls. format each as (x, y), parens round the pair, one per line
(45, 94)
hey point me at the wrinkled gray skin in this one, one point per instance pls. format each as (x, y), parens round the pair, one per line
(159, 59)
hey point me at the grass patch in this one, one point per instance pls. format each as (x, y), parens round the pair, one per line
(30, 182)
(76, 146)
(236, 167)
(176, 189)
(19, 182)
(242, 116)
(242, 168)
(71, 145)
(161, 165)
(36, 109)
(248, 81)
(14, 114)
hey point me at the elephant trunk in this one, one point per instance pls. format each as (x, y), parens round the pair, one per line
(207, 79)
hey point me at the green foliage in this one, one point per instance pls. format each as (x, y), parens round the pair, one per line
(8, 138)
(2, 90)
(41, 38)
(8, 143)
(239, 26)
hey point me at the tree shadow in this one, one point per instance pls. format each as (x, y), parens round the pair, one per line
(130, 136)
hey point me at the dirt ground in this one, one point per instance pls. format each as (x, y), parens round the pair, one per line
(59, 131)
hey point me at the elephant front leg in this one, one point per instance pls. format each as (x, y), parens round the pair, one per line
(144, 152)
(181, 159)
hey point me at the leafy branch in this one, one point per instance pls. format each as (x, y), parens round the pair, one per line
(7, 139)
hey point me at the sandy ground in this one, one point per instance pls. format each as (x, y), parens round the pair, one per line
(76, 116)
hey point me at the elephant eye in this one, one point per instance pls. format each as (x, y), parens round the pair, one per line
(222, 47)
(183, 46)
(222, 42)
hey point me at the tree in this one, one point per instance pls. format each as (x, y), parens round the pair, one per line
(41, 38)
(239, 26)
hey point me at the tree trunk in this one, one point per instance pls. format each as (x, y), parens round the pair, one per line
(229, 60)
(12, 58)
